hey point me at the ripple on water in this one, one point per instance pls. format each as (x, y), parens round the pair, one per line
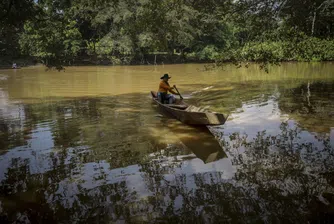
(3, 77)
(110, 156)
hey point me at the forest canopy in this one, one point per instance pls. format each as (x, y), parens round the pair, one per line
(131, 31)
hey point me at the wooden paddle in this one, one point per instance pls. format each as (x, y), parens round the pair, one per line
(178, 92)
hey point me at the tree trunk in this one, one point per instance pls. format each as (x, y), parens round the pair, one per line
(313, 22)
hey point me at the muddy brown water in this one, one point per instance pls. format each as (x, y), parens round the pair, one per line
(88, 145)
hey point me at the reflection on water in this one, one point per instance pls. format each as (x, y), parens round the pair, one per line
(88, 145)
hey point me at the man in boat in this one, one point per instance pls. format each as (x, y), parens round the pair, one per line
(164, 88)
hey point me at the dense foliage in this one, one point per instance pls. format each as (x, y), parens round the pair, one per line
(131, 31)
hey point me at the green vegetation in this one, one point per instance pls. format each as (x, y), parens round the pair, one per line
(132, 32)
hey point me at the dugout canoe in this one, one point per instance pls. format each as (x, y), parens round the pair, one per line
(189, 114)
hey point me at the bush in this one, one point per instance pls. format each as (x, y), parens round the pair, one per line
(307, 49)
(315, 49)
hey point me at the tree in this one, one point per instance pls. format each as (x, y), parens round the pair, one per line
(126, 31)
(51, 41)
(13, 14)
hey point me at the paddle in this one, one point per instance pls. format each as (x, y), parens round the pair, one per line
(178, 92)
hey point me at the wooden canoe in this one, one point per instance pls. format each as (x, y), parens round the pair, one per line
(189, 114)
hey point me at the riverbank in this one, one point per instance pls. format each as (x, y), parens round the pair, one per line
(265, 52)
(7, 62)
(157, 59)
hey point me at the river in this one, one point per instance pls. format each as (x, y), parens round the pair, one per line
(88, 145)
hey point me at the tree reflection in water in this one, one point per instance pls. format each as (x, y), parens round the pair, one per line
(84, 170)
(278, 179)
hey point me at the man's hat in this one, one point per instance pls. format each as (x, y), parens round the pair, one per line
(165, 76)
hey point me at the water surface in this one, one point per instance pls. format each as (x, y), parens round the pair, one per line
(87, 145)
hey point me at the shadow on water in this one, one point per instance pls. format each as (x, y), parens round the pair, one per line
(112, 159)
(198, 139)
